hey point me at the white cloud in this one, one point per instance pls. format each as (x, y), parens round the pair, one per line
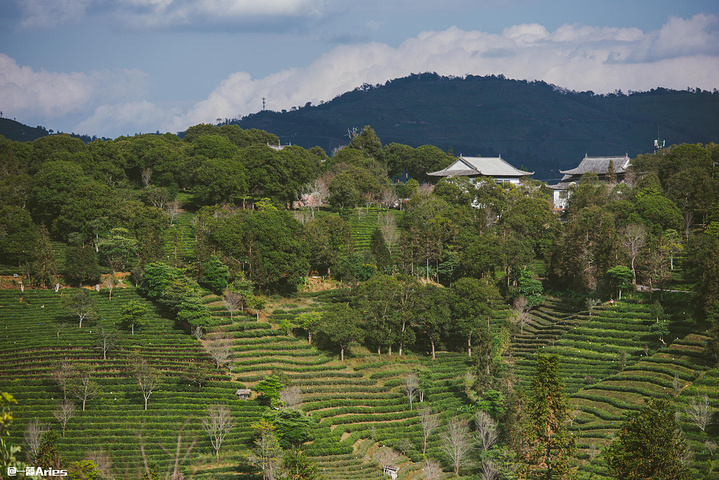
(166, 13)
(125, 119)
(574, 56)
(25, 91)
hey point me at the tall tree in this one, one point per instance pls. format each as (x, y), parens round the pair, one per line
(341, 324)
(82, 305)
(649, 445)
(218, 424)
(82, 385)
(550, 446)
(457, 442)
(147, 377)
(133, 314)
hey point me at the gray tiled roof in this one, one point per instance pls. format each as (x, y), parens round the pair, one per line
(598, 165)
(487, 166)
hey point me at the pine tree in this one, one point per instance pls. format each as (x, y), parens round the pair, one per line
(550, 445)
(649, 445)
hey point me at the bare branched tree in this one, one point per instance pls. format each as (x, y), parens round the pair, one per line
(291, 397)
(521, 313)
(431, 470)
(197, 332)
(457, 443)
(485, 429)
(700, 412)
(411, 385)
(489, 470)
(218, 423)
(106, 341)
(220, 349)
(61, 374)
(82, 385)
(82, 305)
(109, 282)
(101, 459)
(233, 302)
(147, 378)
(63, 413)
(429, 423)
(33, 438)
(633, 238)
(386, 457)
(388, 226)
(172, 210)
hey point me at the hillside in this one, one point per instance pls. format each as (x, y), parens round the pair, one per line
(530, 124)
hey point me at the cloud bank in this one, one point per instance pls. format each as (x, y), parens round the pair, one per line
(683, 53)
(139, 14)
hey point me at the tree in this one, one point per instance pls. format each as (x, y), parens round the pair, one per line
(298, 467)
(700, 412)
(233, 301)
(147, 377)
(218, 424)
(215, 275)
(109, 282)
(64, 413)
(293, 427)
(82, 385)
(633, 238)
(485, 428)
(267, 448)
(33, 438)
(61, 374)
(550, 445)
(133, 314)
(270, 388)
(429, 423)
(469, 302)
(291, 397)
(620, 277)
(220, 349)
(386, 457)
(457, 443)
(649, 444)
(43, 268)
(105, 341)
(431, 470)
(341, 325)
(435, 315)
(82, 305)
(119, 251)
(81, 264)
(411, 384)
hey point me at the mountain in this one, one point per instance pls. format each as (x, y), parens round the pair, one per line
(18, 132)
(534, 125)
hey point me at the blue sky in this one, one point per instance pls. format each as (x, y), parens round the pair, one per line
(119, 67)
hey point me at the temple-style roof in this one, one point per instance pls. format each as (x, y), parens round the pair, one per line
(476, 166)
(598, 165)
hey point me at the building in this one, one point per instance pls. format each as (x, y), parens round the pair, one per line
(598, 165)
(472, 167)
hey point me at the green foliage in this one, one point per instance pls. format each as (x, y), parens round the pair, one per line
(119, 251)
(550, 444)
(620, 277)
(298, 466)
(215, 275)
(649, 444)
(293, 428)
(341, 324)
(270, 388)
(133, 314)
(379, 249)
(81, 265)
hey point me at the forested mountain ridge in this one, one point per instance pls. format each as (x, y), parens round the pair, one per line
(532, 124)
(369, 319)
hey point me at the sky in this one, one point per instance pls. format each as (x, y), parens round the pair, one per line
(120, 67)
